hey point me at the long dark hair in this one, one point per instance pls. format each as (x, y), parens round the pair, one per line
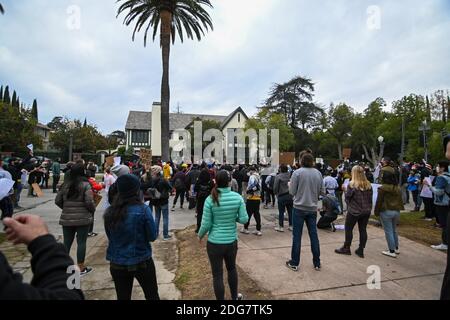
(204, 178)
(117, 212)
(77, 175)
(222, 181)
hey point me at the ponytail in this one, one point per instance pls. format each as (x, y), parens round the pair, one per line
(215, 195)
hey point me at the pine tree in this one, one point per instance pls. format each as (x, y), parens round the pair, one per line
(14, 99)
(6, 97)
(1, 94)
(17, 106)
(34, 110)
(85, 123)
(428, 111)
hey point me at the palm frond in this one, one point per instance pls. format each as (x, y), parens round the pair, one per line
(189, 17)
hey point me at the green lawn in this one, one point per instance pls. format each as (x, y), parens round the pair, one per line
(413, 227)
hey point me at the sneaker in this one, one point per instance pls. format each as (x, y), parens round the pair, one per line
(92, 234)
(389, 254)
(245, 231)
(86, 271)
(343, 250)
(440, 247)
(333, 227)
(290, 266)
(240, 296)
(168, 238)
(291, 228)
(279, 229)
(397, 251)
(173, 209)
(428, 219)
(317, 268)
(266, 207)
(257, 233)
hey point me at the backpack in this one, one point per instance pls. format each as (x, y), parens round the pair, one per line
(270, 181)
(153, 193)
(178, 185)
(204, 191)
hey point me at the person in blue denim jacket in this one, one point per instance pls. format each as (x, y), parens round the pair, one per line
(441, 191)
(130, 228)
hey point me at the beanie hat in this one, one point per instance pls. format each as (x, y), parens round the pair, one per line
(120, 170)
(128, 185)
(156, 170)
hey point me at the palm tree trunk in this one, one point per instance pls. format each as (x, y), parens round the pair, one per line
(166, 20)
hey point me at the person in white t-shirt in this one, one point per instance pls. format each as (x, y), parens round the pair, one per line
(109, 180)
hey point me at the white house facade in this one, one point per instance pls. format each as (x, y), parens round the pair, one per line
(143, 129)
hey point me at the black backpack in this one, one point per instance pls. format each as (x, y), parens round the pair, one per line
(204, 191)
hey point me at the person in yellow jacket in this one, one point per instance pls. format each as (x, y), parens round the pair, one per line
(167, 171)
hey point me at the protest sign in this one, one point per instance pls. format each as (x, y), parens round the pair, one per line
(110, 161)
(146, 157)
(30, 147)
(5, 187)
(38, 190)
(117, 161)
(287, 158)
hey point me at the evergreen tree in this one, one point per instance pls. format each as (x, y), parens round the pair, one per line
(1, 94)
(17, 106)
(34, 110)
(6, 97)
(14, 99)
(85, 123)
(428, 110)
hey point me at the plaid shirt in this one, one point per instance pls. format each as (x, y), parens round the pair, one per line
(358, 201)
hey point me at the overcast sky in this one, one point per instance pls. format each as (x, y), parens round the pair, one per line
(96, 71)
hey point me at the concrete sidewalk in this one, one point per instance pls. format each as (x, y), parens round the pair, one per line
(416, 274)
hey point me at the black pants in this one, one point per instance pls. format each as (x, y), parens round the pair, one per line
(55, 183)
(415, 195)
(199, 210)
(442, 212)
(145, 273)
(181, 194)
(429, 207)
(325, 221)
(7, 207)
(217, 253)
(445, 292)
(253, 210)
(350, 222)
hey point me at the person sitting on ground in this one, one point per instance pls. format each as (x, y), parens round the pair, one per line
(50, 263)
(130, 228)
(329, 213)
(222, 210)
(359, 207)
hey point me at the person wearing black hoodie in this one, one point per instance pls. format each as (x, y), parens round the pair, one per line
(50, 264)
(202, 189)
(445, 291)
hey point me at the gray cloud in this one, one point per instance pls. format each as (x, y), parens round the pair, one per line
(98, 73)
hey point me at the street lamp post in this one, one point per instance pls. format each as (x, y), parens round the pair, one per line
(381, 141)
(424, 127)
(71, 126)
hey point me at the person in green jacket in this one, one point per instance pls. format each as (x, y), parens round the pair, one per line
(222, 210)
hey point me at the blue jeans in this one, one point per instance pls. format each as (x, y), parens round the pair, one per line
(285, 203)
(298, 219)
(165, 213)
(389, 220)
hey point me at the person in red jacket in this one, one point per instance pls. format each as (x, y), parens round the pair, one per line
(96, 188)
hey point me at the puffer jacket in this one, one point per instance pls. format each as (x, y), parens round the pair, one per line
(79, 211)
(220, 221)
(389, 198)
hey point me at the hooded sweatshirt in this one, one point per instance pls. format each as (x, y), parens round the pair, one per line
(281, 184)
(389, 198)
(306, 187)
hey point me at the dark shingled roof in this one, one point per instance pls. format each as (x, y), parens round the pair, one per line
(138, 120)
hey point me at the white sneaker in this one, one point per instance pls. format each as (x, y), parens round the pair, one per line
(397, 251)
(291, 229)
(440, 247)
(240, 296)
(257, 233)
(390, 254)
(245, 231)
(279, 229)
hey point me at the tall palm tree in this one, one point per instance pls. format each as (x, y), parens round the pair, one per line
(170, 17)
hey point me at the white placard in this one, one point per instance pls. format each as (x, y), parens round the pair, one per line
(5, 187)
(30, 146)
(117, 161)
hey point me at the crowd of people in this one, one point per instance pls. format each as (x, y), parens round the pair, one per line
(223, 196)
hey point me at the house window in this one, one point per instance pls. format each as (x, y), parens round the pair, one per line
(239, 117)
(139, 136)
